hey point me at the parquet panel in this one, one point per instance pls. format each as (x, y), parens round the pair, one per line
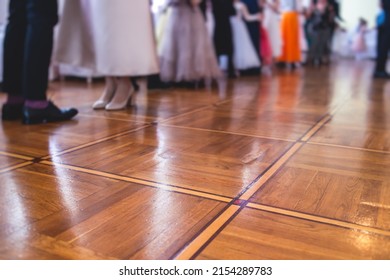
(360, 123)
(258, 235)
(342, 184)
(273, 124)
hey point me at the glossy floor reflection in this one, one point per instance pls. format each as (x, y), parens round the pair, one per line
(291, 166)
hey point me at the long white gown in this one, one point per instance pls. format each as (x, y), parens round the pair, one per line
(244, 56)
(113, 38)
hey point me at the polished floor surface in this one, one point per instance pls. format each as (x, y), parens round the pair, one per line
(290, 166)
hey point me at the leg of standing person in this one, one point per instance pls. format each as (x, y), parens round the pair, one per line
(327, 48)
(107, 94)
(382, 54)
(123, 93)
(13, 60)
(28, 78)
(313, 48)
(323, 46)
(231, 67)
(379, 39)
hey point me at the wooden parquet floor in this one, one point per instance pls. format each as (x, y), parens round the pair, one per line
(291, 166)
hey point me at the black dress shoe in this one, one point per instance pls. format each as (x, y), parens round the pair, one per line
(49, 114)
(381, 75)
(12, 112)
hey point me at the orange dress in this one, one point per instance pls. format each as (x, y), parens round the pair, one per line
(291, 50)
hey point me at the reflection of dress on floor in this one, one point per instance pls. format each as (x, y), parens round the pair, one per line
(245, 56)
(186, 51)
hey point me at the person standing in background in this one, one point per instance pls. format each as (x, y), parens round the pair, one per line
(223, 38)
(380, 26)
(290, 28)
(319, 30)
(118, 42)
(359, 44)
(28, 48)
(187, 55)
(272, 26)
(245, 56)
(380, 71)
(253, 27)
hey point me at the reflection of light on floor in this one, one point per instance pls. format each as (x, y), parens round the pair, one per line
(363, 240)
(376, 205)
(66, 188)
(53, 149)
(161, 157)
(15, 213)
(165, 213)
(162, 205)
(247, 173)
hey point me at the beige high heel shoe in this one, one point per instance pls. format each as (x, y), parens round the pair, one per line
(122, 97)
(107, 95)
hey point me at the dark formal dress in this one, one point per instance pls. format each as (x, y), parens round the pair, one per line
(28, 47)
(223, 38)
(384, 43)
(253, 27)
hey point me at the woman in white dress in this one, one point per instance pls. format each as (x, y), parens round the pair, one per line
(244, 56)
(115, 38)
(186, 51)
(271, 24)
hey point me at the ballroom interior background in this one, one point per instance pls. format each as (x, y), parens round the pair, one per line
(351, 10)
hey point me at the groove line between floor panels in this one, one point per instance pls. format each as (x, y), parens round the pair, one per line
(176, 189)
(189, 251)
(17, 166)
(314, 218)
(18, 156)
(94, 142)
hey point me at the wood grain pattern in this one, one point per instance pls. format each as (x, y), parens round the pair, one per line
(170, 156)
(38, 141)
(258, 235)
(41, 247)
(100, 215)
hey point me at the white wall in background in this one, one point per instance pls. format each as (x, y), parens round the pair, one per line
(352, 10)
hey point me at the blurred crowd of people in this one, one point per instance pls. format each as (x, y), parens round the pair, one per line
(255, 33)
(170, 42)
